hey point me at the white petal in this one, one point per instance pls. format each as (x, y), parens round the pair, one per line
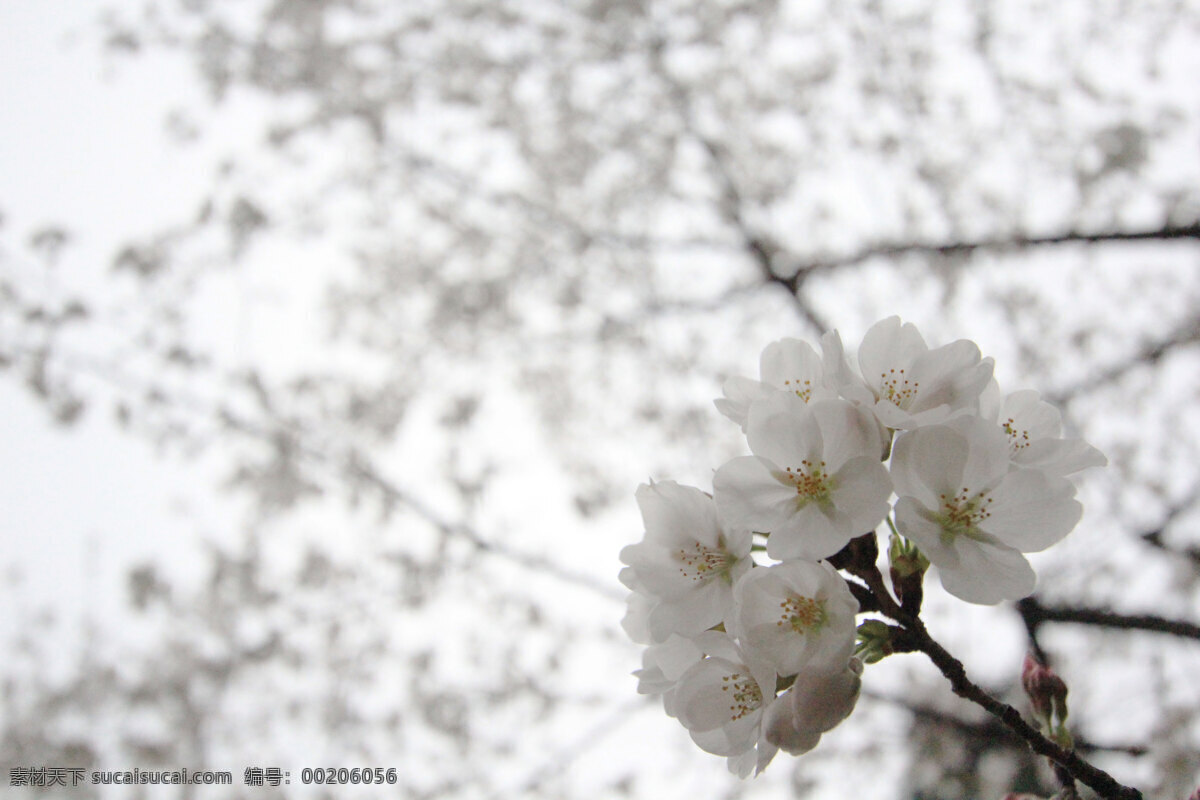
(756, 597)
(810, 533)
(987, 573)
(847, 432)
(739, 394)
(1029, 413)
(1032, 510)
(742, 764)
(749, 497)
(987, 452)
(838, 373)
(673, 657)
(990, 401)
(888, 345)
(953, 375)
(928, 463)
(704, 699)
(649, 570)
(828, 650)
(912, 520)
(675, 514)
(784, 432)
(628, 575)
(738, 542)
(734, 740)
(791, 360)
(766, 752)
(720, 645)
(1060, 456)
(657, 571)
(901, 420)
(862, 489)
(691, 613)
(637, 615)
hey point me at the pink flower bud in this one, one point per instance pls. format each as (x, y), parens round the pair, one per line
(1047, 692)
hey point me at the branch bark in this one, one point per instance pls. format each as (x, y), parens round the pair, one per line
(857, 559)
(1035, 613)
(945, 249)
(1099, 780)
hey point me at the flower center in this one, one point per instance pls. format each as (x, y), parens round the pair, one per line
(1018, 439)
(812, 482)
(702, 563)
(744, 693)
(803, 389)
(897, 388)
(961, 514)
(802, 614)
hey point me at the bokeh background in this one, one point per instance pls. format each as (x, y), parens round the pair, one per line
(335, 336)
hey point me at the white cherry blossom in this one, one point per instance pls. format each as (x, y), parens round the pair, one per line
(791, 366)
(721, 701)
(982, 480)
(972, 513)
(687, 561)
(908, 385)
(814, 481)
(795, 616)
(1034, 429)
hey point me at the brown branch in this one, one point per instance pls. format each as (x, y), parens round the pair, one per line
(1154, 538)
(864, 596)
(1165, 233)
(1035, 613)
(991, 730)
(916, 638)
(764, 252)
(954, 671)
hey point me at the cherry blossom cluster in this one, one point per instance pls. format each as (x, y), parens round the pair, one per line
(750, 632)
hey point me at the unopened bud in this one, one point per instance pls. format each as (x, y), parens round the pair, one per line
(1048, 695)
(1047, 692)
(816, 702)
(908, 567)
(874, 641)
(905, 558)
